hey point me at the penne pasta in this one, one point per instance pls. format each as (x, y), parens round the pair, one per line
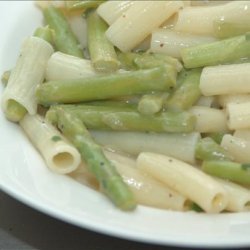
(237, 147)
(27, 74)
(185, 179)
(147, 190)
(171, 42)
(200, 20)
(180, 146)
(138, 21)
(238, 115)
(220, 80)
(110, 11)
(63, 66)
(224, 100)
(209, 119)
(60, 155)
(238, 196)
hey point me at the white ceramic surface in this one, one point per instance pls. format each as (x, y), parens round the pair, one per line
(24, 176)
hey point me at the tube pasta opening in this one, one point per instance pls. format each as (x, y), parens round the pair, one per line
(63, 159)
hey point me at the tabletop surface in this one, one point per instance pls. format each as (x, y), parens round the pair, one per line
(23, 228)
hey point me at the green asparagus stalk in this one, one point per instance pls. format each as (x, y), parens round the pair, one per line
(187, 93)
(225, 29)
(236, 172)
(15, 111)
(127, 119)
(64, 39)
(217, 137)
(219, 52)
(207, 149)
(102, 52)
(152, 104)
(151, 60)
(110, 180)
(135, 61)
(83, 5)
(103, 87)
(44, 33)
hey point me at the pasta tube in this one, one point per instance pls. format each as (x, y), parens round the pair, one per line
(185, 179)
(238, 196)
(27, 74)
(64, 67)
(171, 42)
(204, 116)
(237, 147)
(243, 134)
(138, 22)
(200, 20)
(224, 100)
(112, 10)
(147, 190)
(238, 115)
(60, 156)
(180, 146)
(220, 80)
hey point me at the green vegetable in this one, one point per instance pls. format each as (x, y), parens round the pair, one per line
(102, 52)
(110, 180)
(102, 87)
(152, 104)
(187, 93)
(135, 61)
(44, 33)
(64, 39)
(219, 52)
(127, 119)
(208, 149)
(232, 171)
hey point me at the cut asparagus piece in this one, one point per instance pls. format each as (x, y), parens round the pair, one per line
(101, 50)
(220, 52)
(105, 172)
(187, 94)
(103, 87)
(208, 149)
(128, 119)
(232, 171)
(64, 39)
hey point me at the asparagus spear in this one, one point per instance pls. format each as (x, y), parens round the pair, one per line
(64, 39)
(187, 94)
(44, 33)
(103, 87)
(217, 137)
(133, 61)
(152, 104)
(127, 119)
(109, 179)
(236, 172)
(207, 149)
(102, 52)
(219, 52)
